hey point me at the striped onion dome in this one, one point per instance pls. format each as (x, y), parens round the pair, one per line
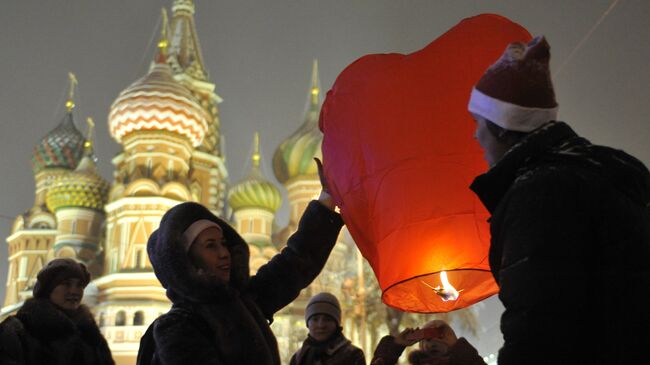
(255, 191)
(81, 188)
(157, 102)
(60, 148)
(295, 156)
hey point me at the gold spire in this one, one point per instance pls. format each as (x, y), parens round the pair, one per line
(256, 154)
(73, 83)
(315, 87)
(163, 43)
(88, 145)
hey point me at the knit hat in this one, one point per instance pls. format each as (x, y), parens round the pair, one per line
(57, 271)
(193, 231)
(516, 93)
(323, 303)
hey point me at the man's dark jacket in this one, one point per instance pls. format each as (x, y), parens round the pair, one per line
(42, 334)
(570, 250)
(336, 351)
(229, 324)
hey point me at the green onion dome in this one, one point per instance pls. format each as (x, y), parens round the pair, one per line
(295, 156)
(81, 188)
(255, 191)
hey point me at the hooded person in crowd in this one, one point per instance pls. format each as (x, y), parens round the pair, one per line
(53, 327)
(442, 348)
(221, 315)
(570, 225)
(326, 344)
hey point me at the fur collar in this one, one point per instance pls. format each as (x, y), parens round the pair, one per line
(556, 144)
(47, 322)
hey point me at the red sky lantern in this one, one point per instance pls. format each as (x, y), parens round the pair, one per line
(399, 155)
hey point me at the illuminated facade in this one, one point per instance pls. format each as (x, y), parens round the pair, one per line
(168, 126)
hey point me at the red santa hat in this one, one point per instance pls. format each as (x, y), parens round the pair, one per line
(516, 92)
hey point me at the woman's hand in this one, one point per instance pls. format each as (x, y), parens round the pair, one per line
(325, 198)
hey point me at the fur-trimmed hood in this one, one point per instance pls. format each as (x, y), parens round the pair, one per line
(172, 265)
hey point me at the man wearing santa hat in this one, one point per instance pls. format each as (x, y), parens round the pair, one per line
(570, 223)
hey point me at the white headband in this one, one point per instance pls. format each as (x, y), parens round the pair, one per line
(195, 229)
(509, 116)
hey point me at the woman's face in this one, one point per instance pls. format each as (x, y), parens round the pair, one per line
(209, 253)
(321, 327)
(68, 294)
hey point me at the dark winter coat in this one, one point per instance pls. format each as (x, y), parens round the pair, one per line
(570, 250)
(388, 352)
(42, 334)
(336, 351)
(218, 324)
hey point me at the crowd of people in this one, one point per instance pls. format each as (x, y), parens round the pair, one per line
(570, 250)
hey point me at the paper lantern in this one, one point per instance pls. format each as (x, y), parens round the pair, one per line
(399, 155)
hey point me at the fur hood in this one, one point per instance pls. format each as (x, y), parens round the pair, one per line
(172, 265)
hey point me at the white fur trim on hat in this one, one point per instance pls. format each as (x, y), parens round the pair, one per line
(195, 229)
(510, 116)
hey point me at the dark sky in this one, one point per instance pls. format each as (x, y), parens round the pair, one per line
(259, 56)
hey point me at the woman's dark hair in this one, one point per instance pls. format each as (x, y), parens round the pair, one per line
(505, 135)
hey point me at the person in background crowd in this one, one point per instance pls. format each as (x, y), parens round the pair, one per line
(570, 225)
(221, 315)
(441, 347)
(53, 327)
(326, 344)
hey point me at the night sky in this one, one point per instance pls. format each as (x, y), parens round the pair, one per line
(259, 55)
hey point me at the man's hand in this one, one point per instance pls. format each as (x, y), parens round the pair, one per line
(404, 339)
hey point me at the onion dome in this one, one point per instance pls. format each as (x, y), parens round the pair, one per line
(255, 191)
(62, 147)
(81, 188)
(157, 102)
(295, 156)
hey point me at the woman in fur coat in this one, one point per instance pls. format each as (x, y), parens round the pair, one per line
(221, 315)
(53, 327)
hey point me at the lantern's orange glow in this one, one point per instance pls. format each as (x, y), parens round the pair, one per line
(399, 156)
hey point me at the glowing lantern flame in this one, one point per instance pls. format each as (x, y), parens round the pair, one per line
(447, 292)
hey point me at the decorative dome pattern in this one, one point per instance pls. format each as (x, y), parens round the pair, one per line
(60, 148)
(81, 188)
(255, 192)
(157, 102)
(295, 156)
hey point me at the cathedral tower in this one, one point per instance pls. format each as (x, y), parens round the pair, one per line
(254, 202)
(159, 123)
(33, 233)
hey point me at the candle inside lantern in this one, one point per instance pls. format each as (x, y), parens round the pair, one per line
(447, 292)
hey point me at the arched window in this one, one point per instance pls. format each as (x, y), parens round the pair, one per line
(120, 318)
(138, 318)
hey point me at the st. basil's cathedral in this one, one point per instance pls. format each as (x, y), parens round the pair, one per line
(167, 123)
